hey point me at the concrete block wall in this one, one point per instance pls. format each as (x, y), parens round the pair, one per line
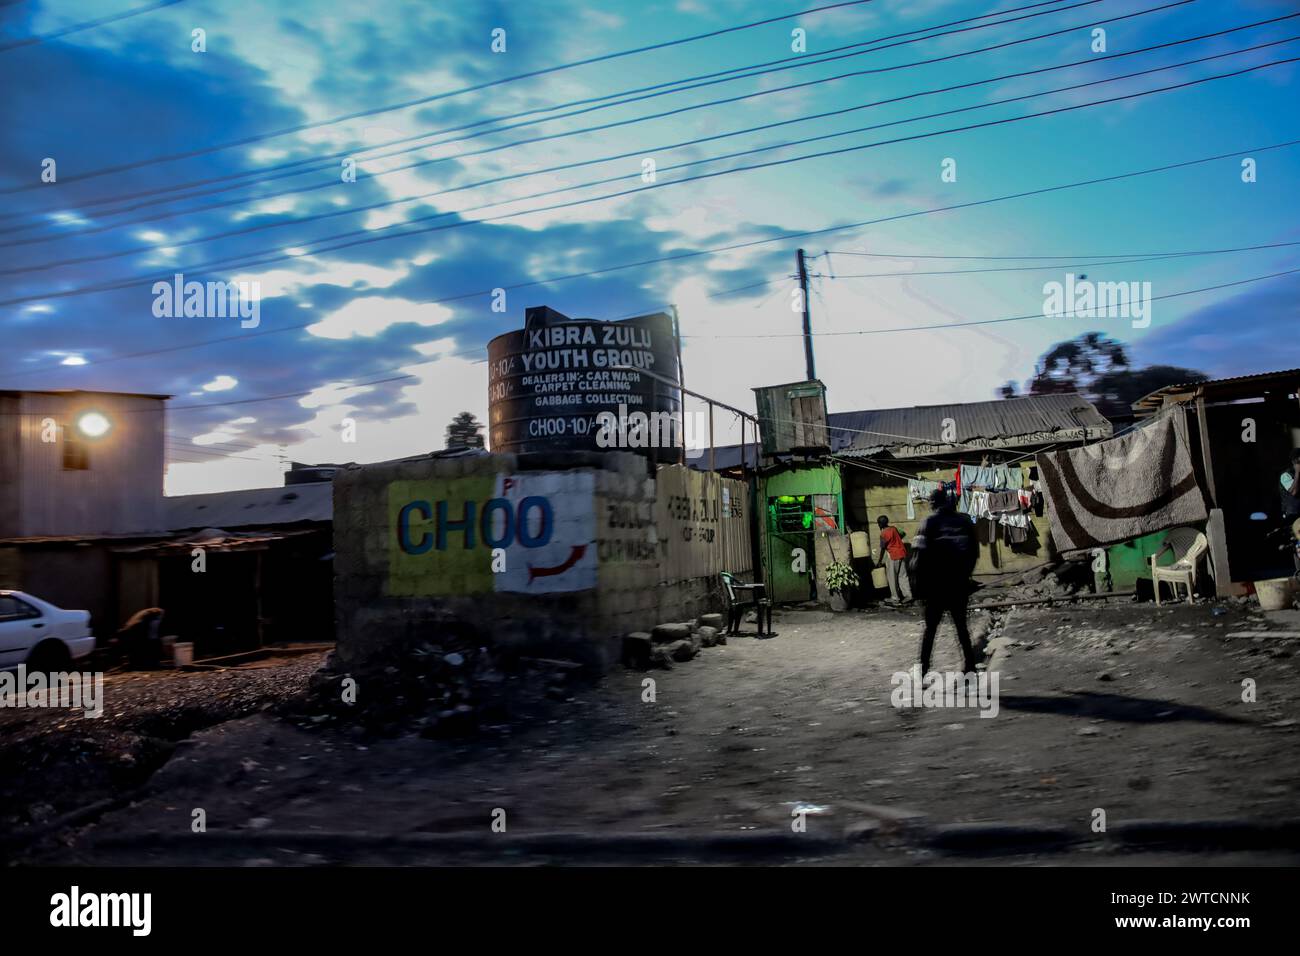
(407, 571)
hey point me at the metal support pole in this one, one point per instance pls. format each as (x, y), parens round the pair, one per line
(1206, 458)
(713, 463)
(681, 384)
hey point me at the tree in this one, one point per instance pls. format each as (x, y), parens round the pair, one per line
(465, 431)
(1097, 367)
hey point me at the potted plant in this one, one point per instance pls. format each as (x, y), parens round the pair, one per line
(840, 580)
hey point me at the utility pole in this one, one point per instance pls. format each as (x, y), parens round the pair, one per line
(807, 318)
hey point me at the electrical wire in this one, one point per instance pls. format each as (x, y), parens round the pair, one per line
(64, 233)
(975, 322)
(237, 262)
(717, 250)
(301, 127)
(387, 379)
(692, 163)
(86, 25)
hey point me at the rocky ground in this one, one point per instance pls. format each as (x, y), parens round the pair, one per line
(54, 761)
(1126, 708)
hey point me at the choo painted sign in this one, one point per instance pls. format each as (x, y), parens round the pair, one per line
(444, 533)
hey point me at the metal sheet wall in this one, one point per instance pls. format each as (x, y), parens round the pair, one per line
(703, 523)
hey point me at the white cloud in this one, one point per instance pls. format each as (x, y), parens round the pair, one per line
(222, 383)
(278, 282)
(333, 393)
(373, 315)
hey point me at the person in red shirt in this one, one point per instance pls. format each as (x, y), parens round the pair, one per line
(894, 553)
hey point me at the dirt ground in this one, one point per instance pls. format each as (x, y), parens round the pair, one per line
(55, 761)
(1123, 707)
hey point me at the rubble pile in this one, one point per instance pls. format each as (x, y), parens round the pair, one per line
(446, 686)
(1061, 580)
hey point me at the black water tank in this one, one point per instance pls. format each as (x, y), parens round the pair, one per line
(548, 382)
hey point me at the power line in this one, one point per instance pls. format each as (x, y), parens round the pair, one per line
(961, 325)
(172, 451)
(88, 24)
(325, 159)
(760, 335)
(238, 263)
(235, 445)
(923, 328)
(664, 148)
(730, 247)
(1160, 257)
(547, 137)
(620, 123)
(301, 127)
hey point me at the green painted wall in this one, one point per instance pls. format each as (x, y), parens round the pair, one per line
(777, 549)
(815, 480)
(1129, 561)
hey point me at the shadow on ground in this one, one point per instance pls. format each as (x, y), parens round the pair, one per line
(1132, 710)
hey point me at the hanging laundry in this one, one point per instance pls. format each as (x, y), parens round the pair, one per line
(1000, 501)
(991, 477)
(918, 489)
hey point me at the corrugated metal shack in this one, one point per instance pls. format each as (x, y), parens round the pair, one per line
(268, 567)
(1242, 431)
(881, 449)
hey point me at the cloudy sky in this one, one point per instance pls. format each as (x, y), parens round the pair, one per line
(523, 169)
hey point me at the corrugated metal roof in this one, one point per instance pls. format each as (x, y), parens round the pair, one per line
(725, 456)
(1004, 423)
(863, 434)
(212, 539)
(256, 507)
(40, 539)
(1156, 399)
(80, 391)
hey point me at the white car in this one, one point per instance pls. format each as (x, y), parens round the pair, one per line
(40, 635)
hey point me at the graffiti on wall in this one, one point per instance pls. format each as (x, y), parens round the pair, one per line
(627, 533)
(531, 533)
(703, 528)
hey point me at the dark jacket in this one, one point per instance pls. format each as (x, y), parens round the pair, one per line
(944, 553)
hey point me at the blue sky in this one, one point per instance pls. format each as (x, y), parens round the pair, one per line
(131, 91)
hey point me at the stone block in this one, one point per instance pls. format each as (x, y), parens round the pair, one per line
(668, 633)
(682, 650)
(637, 648)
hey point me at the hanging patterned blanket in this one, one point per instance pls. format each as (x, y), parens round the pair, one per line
(1122, 488)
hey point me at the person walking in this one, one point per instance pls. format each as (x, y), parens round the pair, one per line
(944, 553)
(1289, 489)
(894, 555)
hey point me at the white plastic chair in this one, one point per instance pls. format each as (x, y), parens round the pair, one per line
(1188, 546)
